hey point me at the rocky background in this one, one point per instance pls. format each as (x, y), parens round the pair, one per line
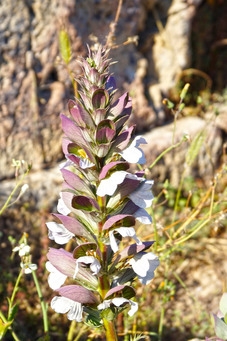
(179, 41)
(173, 36)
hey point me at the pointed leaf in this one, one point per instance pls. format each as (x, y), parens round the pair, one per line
(110, 84)
(73, 132)
(81, 117)
(123, 139)
(119, 105)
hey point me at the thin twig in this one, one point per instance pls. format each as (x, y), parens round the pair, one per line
(110, 37)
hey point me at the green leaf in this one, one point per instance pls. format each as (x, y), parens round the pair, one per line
(195, 147)
(13, 312)
(65, 46)
(93, 318)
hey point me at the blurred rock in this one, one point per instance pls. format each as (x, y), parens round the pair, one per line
(173, 164)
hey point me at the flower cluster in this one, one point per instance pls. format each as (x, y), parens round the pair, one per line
(100, 203)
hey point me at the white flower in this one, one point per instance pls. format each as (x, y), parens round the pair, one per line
(133, 153)
(55, 278)
(142, 216)
(59, 233)
(124, 232)
(94, 264)
(108, 186)
(118, 301)
(63, 305)
(143, 196)
(23, 249)
(28, 267)
(61, 206)
(144, 265)
(85, 163)
(24, 189)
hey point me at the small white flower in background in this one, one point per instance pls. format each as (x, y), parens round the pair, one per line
(24, 189)
(124, 232)
(144, 265)
(55, 278)
(23, 249)
(133, 153)
(59, 233)
(63, 305)
(28, 267)
(94, 264)
(118, 301)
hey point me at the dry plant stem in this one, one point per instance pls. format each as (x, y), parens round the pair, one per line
(193, 215)
(70, 336)
(110, 37)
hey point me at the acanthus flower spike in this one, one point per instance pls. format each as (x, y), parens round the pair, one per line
(100, 203)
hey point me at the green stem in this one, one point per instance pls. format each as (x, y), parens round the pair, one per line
(110, 329)
(104, 286)
(18, 184)
(160, 327)
(155, 229)
(43, 304)
(14, 292)
(166, 151)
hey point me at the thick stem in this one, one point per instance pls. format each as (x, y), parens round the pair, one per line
(110, 330)
(104, 287)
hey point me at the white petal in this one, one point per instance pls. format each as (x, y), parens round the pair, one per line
(143, 196)
(55, 278)
(113, 242)
(59, 233)
(124, 232)
(144, 265)
(24, 188)
(85, 163)
(75, 313)
(134, 308)
(61, 207)
(104, 305)
(108, 186)
(119, 301)
(61, 304)
(142, 216)
(133, 153)
(95, 265)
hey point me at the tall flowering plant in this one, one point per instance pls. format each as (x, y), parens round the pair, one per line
(100, 204)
